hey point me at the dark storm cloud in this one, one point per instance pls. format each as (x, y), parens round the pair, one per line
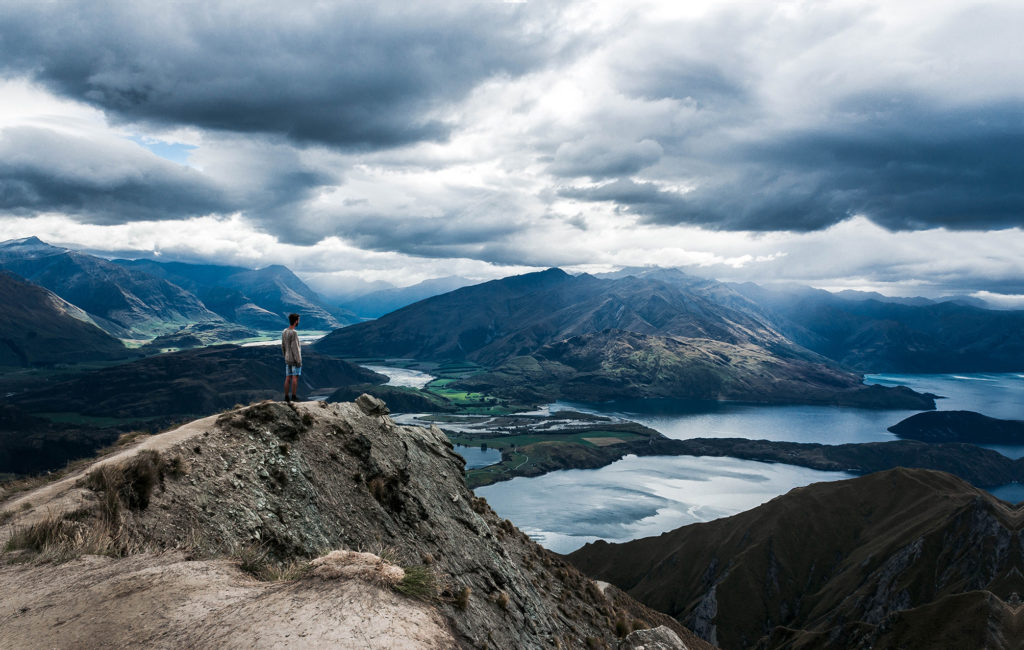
(660, 77)
(349, 74)
(103, 183)
(902, 164)
(447, 236)
(601, 157)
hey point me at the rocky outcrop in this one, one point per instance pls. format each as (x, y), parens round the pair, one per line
(658, 638)
(400, 398)
(294, 483)
(902, 558)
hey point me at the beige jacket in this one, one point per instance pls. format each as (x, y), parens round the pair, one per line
(290, 347)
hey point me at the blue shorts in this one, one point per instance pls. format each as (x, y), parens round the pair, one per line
(292, 371)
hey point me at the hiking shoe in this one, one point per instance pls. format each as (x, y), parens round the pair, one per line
(286, 398)
(295, 398)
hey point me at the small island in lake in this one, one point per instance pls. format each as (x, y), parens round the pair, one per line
(960, 426)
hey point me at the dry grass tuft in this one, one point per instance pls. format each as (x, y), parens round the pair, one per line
(479, 505)
(462, 599)
(25, 484)
(52, 531)
(502, 599)
(59, 538)
(254, 559)
(126, 439)
(419, 582)
(131, 484)
(622, 627)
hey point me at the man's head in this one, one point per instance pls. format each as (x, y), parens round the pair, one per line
(293, 319)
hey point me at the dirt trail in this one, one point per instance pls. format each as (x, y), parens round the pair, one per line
(65, 495)
(164, 601)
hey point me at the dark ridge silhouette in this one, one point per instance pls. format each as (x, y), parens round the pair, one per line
(904, 555)
(960, 426)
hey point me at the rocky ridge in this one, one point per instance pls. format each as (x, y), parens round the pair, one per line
(295, 483)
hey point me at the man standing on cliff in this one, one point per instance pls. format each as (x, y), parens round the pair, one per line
(292, 358)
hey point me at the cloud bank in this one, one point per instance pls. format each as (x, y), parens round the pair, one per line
(532, 135)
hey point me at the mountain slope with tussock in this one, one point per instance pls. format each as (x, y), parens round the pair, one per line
(276, 491)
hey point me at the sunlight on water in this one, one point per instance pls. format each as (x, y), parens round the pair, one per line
(403, 376)
(638, 497)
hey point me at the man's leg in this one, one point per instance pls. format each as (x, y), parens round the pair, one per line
(290, 390)
(295, 387)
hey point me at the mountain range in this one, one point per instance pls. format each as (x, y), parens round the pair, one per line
(660, 332)
(382, 301)
(869, 332)
(142, 299)
(875, 335)
(494, 321)
(901, 558)
(125, 302)
(37, 327)
(254, 298)
(549, 334)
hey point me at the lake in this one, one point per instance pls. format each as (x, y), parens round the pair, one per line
(638, 497)
(477, 457)
(996, 395)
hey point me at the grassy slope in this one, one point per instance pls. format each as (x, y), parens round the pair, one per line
(829, 562)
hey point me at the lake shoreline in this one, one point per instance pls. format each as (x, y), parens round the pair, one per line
(981, 467)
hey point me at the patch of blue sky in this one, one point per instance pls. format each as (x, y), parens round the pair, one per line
(176, 152)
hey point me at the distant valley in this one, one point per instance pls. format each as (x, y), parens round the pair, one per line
(521, 341)
(63, 419)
